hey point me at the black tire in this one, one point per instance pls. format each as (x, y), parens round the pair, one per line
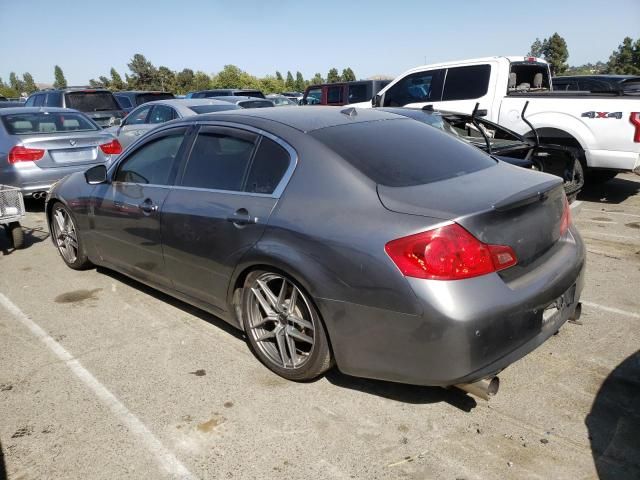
(316, 361)
(598, 177)
(79, 261)
(16, 234)
(577, 182)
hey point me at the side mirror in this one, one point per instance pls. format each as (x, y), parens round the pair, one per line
(96, 175)
(375, 101)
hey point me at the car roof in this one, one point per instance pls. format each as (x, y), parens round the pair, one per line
(308, 118)
(125, 92)
(187, 102)
(239, 98)
(9, 111)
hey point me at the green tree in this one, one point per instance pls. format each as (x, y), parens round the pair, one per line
(167, 78)
(626, 59)
(7, 91)
(60, 81)
(299, 84)
(144, 75)
(229, 77)
(348, 75)
(15, 83)
(105, 81)
(271, 84)
(116, 80)
(201, 81)
(29, 84)
(96, 83)
(184, 81)
(536, 49)
(556, 53)
(316, 79)
(290, 82)
(279, 77)
(333, 76)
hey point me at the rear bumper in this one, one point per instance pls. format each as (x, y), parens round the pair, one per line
(30, 178)
(469, 329)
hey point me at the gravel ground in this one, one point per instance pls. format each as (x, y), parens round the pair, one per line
(101, 377)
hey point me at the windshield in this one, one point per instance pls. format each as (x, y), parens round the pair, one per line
(87, 101)
(150, 97)
(46, 123)
(212, 108)
(401, 153)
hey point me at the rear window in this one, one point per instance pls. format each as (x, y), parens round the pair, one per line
(402, 153)
(255, 104)
(91, 101)
(46, 123)
(250, 93)
(212, 108)
(150, 97)
(123, 101)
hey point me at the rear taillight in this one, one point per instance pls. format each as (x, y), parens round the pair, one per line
(635, 120)
(448, 253)
(111, 148)
(565, 222)
(24, 154)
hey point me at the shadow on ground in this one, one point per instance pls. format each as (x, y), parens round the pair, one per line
(3, 468)
(394, 391)
(614, 423)
(31, 236)
(612, 192)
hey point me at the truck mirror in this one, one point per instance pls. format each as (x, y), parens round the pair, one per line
(375, 101)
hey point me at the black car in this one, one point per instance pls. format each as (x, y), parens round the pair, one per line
(628, 84)
(505, 144)
(246, 102)
(226, 92)
(99, 104)
(134, 98)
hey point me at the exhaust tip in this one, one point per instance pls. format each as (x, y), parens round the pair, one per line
(485, 388)
(577, 312)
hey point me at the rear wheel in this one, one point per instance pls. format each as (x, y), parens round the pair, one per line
(283, 326)
(66, 238)
(17, 234)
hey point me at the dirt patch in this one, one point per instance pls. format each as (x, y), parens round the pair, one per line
(633, 225)
(77, 296)
(199, 373)
(209, 425)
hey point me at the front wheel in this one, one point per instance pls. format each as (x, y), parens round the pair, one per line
(283, 327)
(66, 238)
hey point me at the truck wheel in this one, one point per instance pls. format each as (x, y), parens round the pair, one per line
(577, 182)
(598, 177)
(17, 235)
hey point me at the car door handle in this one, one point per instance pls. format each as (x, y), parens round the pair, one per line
(241, 217)
(148, 206)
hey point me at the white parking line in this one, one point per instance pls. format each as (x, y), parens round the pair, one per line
(611, 309)
(165, 458)
(610, 213)
(594, 233)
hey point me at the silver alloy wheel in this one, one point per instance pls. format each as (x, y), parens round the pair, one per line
(281, 321)
(65, 233)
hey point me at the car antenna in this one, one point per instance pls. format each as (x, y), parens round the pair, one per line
(428, 108)
(474, 120)
(351, 111)
(524, 119)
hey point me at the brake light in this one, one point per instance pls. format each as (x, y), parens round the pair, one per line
(112, 148)
(635, 120)
(25, 154)
(448, 253)
(531, 59)
(565, 222)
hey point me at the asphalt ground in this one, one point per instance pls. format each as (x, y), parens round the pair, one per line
(102, 377)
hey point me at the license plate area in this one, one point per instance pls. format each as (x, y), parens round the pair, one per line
(554, 312)
(72, 155)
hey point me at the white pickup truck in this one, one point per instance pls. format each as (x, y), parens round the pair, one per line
(604, 127)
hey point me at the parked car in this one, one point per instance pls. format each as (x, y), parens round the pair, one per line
(293, 96)
(39, 146)
(226, 92)
(99, 104)
(362, 239)
(504, 144)
(342, 93)
(281, 100)
(598, 83)
(247, 102)
(134, 98)
(604, 127)
(11, 104)
(151, 114)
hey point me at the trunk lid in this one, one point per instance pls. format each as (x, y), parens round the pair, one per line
(69, 149)
(502, 205)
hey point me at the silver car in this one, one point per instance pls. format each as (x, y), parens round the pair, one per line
(39, 146)
(151, 114)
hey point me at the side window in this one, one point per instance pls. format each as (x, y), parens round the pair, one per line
(152, 163)
(359, 93)
(161, 114)
(268, 167)
(314, 96)
(39, 100)
(334, 94)
(30, 101)
(414, 88)
(466, 83)
(137, 117)
(123, 101)
(53, 99)
(219, 160)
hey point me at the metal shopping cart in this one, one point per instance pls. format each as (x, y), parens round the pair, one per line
(11, 211)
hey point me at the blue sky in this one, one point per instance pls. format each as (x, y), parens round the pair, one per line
(373, 37)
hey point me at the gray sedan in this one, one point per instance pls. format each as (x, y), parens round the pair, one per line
(39, 146)
(151, 114)
(358, 238)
